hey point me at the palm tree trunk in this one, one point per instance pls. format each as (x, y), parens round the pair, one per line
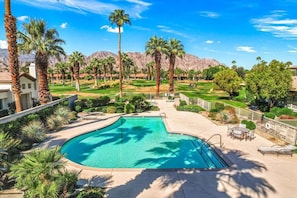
(110, 72)
(76, 76)
(158, 72)
(41, 61)
(171, 73)
(63, 77)
(120, 62)
(11, 35)
(96, 76)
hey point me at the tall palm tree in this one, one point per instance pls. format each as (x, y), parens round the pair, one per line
(149, 66)
(45, 43)
(119, 18)
(94, 65)
(110, 61)
(62, 68)
(77, 59)
(155, 47)
(104, 63)
(176, 49)
(11, 35)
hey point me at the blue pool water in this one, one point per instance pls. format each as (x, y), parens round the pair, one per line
(140, 142)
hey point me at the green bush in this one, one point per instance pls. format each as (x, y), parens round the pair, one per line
(140, 103)
(101, 101)
(129, 108)
(92, 192)
(111, 109)
(249, 124)
(182, 103)
(269, 115)
(34, 131)
(190, 108)
(219, 106)
(214, 110)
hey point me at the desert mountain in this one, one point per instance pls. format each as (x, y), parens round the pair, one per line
(188, 62)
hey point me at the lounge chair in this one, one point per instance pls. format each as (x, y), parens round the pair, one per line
(275, 149)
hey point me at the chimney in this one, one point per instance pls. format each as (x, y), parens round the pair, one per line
(32, 70)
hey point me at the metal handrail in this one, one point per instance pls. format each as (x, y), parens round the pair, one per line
(217, 134)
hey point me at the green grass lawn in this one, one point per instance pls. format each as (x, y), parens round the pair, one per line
(203, 90)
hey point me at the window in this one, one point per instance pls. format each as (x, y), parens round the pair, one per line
(1, 104)
(35, 87)
(29, 85)
(23, 86)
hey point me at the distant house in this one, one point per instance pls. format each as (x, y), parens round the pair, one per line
(29, 91)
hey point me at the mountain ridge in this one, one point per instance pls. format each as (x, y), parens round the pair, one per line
(188, 62)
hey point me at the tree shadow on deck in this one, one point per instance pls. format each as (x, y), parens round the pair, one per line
(241, 181)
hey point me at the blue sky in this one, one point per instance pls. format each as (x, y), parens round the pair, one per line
(222, 30)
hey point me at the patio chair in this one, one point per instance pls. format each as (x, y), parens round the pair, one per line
(251, 135)
(275, 149)
(237, 134)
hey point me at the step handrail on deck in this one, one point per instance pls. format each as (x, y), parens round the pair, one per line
(217, 134)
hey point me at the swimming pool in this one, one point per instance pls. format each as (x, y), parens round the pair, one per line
(140, 142)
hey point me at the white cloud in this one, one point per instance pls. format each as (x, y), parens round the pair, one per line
(167, 29)
(292, 51)
(209, 14)
(245, 49)
(63, 25)
(132, 7)
(277, 25)
(110, 29)
(3, 44)
(22, 18)
(209, 42)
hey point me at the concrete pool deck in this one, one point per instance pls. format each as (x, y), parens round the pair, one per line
(251, 173)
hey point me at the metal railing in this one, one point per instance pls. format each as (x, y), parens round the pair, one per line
(277, 129)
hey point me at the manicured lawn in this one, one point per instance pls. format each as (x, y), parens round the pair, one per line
(203, 90)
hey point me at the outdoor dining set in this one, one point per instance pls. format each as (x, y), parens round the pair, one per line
(240, 132)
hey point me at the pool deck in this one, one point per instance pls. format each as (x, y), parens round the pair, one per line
(251, 173)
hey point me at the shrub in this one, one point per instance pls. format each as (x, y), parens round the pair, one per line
(182, 103)
(140, 103)
(91, 192)
(34, 131)
(269, 115)
(190, 108)
(111, 109)
(129, 108)
(101, 101)
(249, 124)
(219, 106)
(60, 117)
(214, 110)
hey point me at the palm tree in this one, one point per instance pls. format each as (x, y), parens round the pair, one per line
(149, 66)
(39, 172)
(104, 63)
(62, 68)
(11, 35)
(155, 47)
(110, 61)
(119, 18)
(94, 65)
(45, 43)
(176, 49)
(76, 59)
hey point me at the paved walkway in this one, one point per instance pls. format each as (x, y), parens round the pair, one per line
(251, 173)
